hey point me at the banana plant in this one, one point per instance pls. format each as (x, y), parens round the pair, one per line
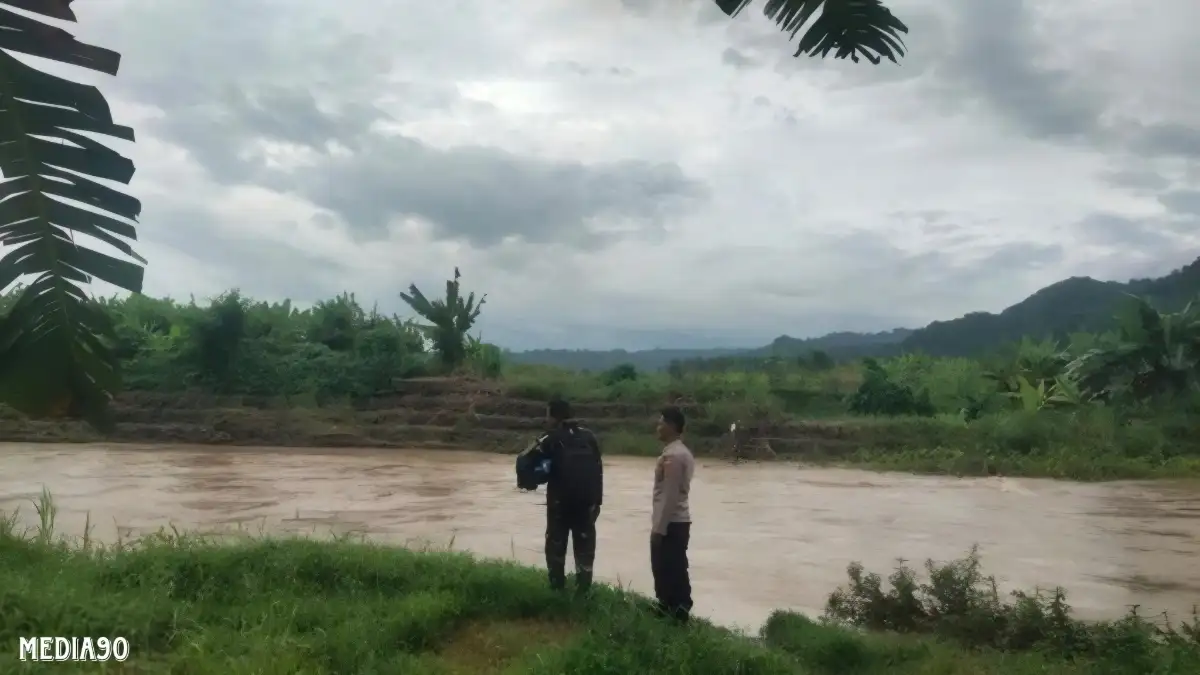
(1154, 353)
(1041, 394)
(449, 319)
(485, 358)
(851, 29)
(55, 341)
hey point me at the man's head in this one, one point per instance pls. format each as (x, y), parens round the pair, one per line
(670, 424)
(558, 411)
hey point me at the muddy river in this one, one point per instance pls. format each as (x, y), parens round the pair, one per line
(765, 536)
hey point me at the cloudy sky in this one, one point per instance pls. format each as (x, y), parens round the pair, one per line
(640, 173)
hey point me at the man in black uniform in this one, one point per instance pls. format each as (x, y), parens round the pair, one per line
(574, 493)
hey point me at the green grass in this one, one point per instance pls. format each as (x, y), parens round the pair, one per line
(1063, 463)
(303, 607)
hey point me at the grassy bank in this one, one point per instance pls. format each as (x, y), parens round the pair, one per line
(285, 607)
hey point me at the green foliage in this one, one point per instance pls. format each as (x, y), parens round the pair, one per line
(625, 372)
(449, 320)
(55, 358)
(483, 359)
(847, 28)
(235, 345)
(879, 395)
(960, 604)
(1153, 355)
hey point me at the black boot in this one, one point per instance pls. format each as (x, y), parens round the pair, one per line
(583, 583)
(558, 580)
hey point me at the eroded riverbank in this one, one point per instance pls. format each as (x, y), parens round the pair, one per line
(767, 536)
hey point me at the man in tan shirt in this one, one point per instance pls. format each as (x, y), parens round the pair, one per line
(671, 521)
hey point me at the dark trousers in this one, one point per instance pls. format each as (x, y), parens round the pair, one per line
(577, 521)
(669, 562)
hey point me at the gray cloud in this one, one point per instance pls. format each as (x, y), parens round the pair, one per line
(1167, 139)
(255, 84)
(1138, 247)
(1023, 255)
(485, 194)
(590, 71)
(246, 259)
(996, 54)
(1185, 202)
(1137, 179)
(1131, 234)
(732, 57)
(480, 194)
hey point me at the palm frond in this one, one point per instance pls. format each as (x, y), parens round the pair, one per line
(846, 28)
(54, 358)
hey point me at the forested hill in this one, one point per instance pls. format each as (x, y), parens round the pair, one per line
(1075, 304)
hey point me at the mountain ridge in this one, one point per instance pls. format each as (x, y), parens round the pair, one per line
(1067, 306)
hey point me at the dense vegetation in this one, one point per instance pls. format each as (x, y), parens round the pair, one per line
(302, 606)
(1114, 403)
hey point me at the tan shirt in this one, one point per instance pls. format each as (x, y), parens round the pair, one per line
(672, 482)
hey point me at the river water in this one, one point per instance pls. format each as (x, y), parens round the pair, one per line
(765, 535)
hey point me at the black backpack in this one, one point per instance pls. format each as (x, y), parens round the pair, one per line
(576, 470)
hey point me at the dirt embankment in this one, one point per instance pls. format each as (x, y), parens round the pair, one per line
(429, 413)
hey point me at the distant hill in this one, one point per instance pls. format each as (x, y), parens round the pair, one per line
(842, 345)
(645, 359)
(1076, 304)
(838, 345)
(1071, 305)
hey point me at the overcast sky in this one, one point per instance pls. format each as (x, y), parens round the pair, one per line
(640, 173)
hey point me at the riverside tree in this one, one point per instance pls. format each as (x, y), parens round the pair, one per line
(449, 318)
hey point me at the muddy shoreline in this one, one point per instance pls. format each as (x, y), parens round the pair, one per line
(433, 415)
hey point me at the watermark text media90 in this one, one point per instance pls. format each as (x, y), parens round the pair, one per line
(73, 649)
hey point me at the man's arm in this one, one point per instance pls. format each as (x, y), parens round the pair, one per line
(599, 471)
(537, 449)
(672, 480)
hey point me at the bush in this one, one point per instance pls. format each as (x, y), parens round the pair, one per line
(879, 395)
(959, 603)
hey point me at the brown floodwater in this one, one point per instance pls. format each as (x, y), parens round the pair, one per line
(765, 535)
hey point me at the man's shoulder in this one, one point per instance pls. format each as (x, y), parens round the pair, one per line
(576, 431)
(678, 448)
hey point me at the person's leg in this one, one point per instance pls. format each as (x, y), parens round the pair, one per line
(557, 530)
(583, 543)
(679, 589)
(658, 569)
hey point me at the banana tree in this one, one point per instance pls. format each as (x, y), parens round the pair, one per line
(1154, 353)
(449, 320)
(845, 28)
(55, 355)
(1059, 392)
